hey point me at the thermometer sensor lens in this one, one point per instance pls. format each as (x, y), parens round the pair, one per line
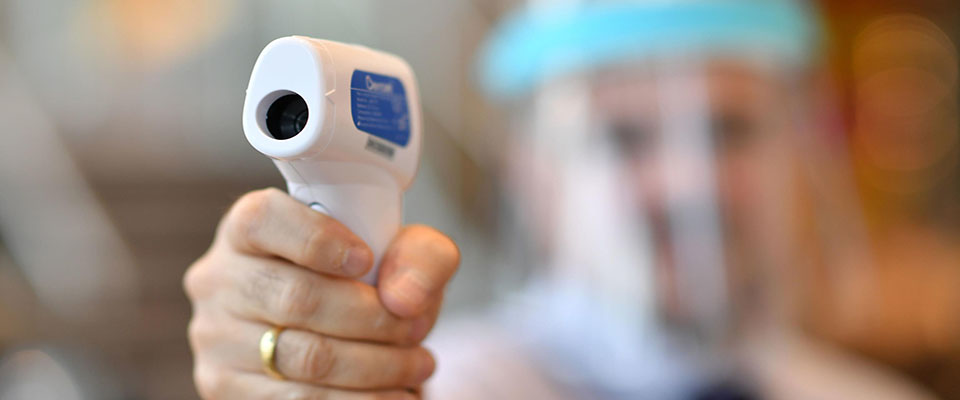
(287, 116)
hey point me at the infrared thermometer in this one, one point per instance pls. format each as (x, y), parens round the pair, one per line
(343, 125)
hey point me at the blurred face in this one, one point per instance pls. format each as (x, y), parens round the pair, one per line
(742, 125)
(703, 158)
(745, 131)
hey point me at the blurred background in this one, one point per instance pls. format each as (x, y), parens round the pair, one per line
(122, 147)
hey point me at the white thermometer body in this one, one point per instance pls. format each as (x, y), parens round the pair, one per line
(343, 125)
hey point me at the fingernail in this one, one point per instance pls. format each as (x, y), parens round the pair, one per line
(411, 288)
(356, 261)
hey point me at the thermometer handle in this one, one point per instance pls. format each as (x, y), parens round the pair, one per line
(362, 197)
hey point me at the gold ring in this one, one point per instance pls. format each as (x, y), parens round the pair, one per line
(268, 352)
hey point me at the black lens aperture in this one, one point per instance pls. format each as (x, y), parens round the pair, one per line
(287, 116)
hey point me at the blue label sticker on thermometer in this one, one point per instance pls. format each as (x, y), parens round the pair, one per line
(379, 106)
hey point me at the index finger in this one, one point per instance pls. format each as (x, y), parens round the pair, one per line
(271, 223)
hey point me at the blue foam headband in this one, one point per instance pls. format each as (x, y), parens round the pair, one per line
(530, 46)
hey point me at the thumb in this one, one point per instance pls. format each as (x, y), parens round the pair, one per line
(415, 269)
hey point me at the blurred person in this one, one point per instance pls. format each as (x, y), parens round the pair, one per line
(659, 173)
(661, 168)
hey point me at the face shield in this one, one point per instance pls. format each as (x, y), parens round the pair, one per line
(655, 164)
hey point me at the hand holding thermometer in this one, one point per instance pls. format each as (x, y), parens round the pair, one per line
(343, 125)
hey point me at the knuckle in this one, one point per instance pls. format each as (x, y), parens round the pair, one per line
(318, 359)
(194, 334)
(248, 214)
(191, 286)
(298, 300)
(315, 245)
(201, 334)
(195, 281)
(211, 383)
(260, 287)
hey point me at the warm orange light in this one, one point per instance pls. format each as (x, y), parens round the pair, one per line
(157, 32)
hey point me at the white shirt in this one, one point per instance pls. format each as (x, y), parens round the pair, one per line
(491, 357)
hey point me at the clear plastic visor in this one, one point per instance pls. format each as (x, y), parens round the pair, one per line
(667, 188)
